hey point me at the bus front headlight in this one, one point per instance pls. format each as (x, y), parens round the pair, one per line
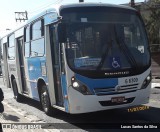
(147, 81)
(80, 87)
(75, 84)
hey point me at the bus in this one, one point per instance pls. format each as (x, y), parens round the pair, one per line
(0, 60)
(0, 69)
(80, 58)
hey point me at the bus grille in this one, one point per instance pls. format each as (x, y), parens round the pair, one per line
(113, 90)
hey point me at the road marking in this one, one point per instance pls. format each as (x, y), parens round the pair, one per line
(153, 85)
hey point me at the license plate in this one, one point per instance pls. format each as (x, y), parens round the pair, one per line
(117, 99)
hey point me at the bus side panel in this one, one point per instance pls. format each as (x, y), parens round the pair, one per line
(28, 85)
(64, 88)
(35, 72)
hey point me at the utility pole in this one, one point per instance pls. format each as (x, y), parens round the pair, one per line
(132, 3)
(7, 29)
(21, 16)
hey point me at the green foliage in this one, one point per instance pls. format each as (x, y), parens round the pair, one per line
(152, 20)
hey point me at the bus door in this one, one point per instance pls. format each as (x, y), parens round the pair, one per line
(5, 66)
(55, 53)
(20, 45)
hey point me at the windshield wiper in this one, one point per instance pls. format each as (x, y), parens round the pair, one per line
(104, 55)
(122, 45)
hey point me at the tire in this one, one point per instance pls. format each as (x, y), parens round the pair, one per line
(45, 101)
(17, 96)
(1, 95)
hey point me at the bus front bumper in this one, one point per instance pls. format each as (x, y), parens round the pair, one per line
(79, 103)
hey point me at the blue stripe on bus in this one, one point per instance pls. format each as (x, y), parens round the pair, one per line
(64, 88)
(97, 83)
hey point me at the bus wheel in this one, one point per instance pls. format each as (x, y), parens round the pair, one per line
(17, 96)
(45, 101)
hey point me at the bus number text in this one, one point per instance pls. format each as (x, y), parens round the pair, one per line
(131, 80)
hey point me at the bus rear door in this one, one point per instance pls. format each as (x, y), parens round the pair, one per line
(20, 45)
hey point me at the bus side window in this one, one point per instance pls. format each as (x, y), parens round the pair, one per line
(37, 39)
(11, 48)
(27, 49)
(27, 41)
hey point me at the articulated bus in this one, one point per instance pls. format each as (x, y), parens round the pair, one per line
(80, 58)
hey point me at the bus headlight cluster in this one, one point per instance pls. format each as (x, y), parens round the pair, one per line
(147, 81)
(80, 87)
(75, 84)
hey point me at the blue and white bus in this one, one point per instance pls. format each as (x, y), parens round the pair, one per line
(80, 58)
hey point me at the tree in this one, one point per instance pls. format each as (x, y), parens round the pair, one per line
(152, 20)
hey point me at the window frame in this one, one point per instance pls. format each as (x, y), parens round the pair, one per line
(27, 26)
(39, 38)
(31, 43)
(27, 42)
(42, 29)
(25, 49)
(12, 46)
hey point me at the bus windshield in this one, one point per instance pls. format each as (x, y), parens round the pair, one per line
(105, 40)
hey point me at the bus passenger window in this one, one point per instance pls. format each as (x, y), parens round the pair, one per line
(37, 43)
(27, 34)
(11, 48)
(37, 30)
(27, 52)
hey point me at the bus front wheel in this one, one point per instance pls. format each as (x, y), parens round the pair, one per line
(17, 96)
(45, 101)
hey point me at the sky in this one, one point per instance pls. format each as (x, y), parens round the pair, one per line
(9, 7)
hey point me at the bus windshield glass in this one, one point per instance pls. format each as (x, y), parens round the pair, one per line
(105, 39)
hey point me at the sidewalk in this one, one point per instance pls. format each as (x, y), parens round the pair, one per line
(16, 118)
(10, 117)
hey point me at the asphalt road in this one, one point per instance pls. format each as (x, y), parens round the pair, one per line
(140, 114)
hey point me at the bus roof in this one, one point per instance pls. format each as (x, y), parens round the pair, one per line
(58, 8)
(95, 4)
